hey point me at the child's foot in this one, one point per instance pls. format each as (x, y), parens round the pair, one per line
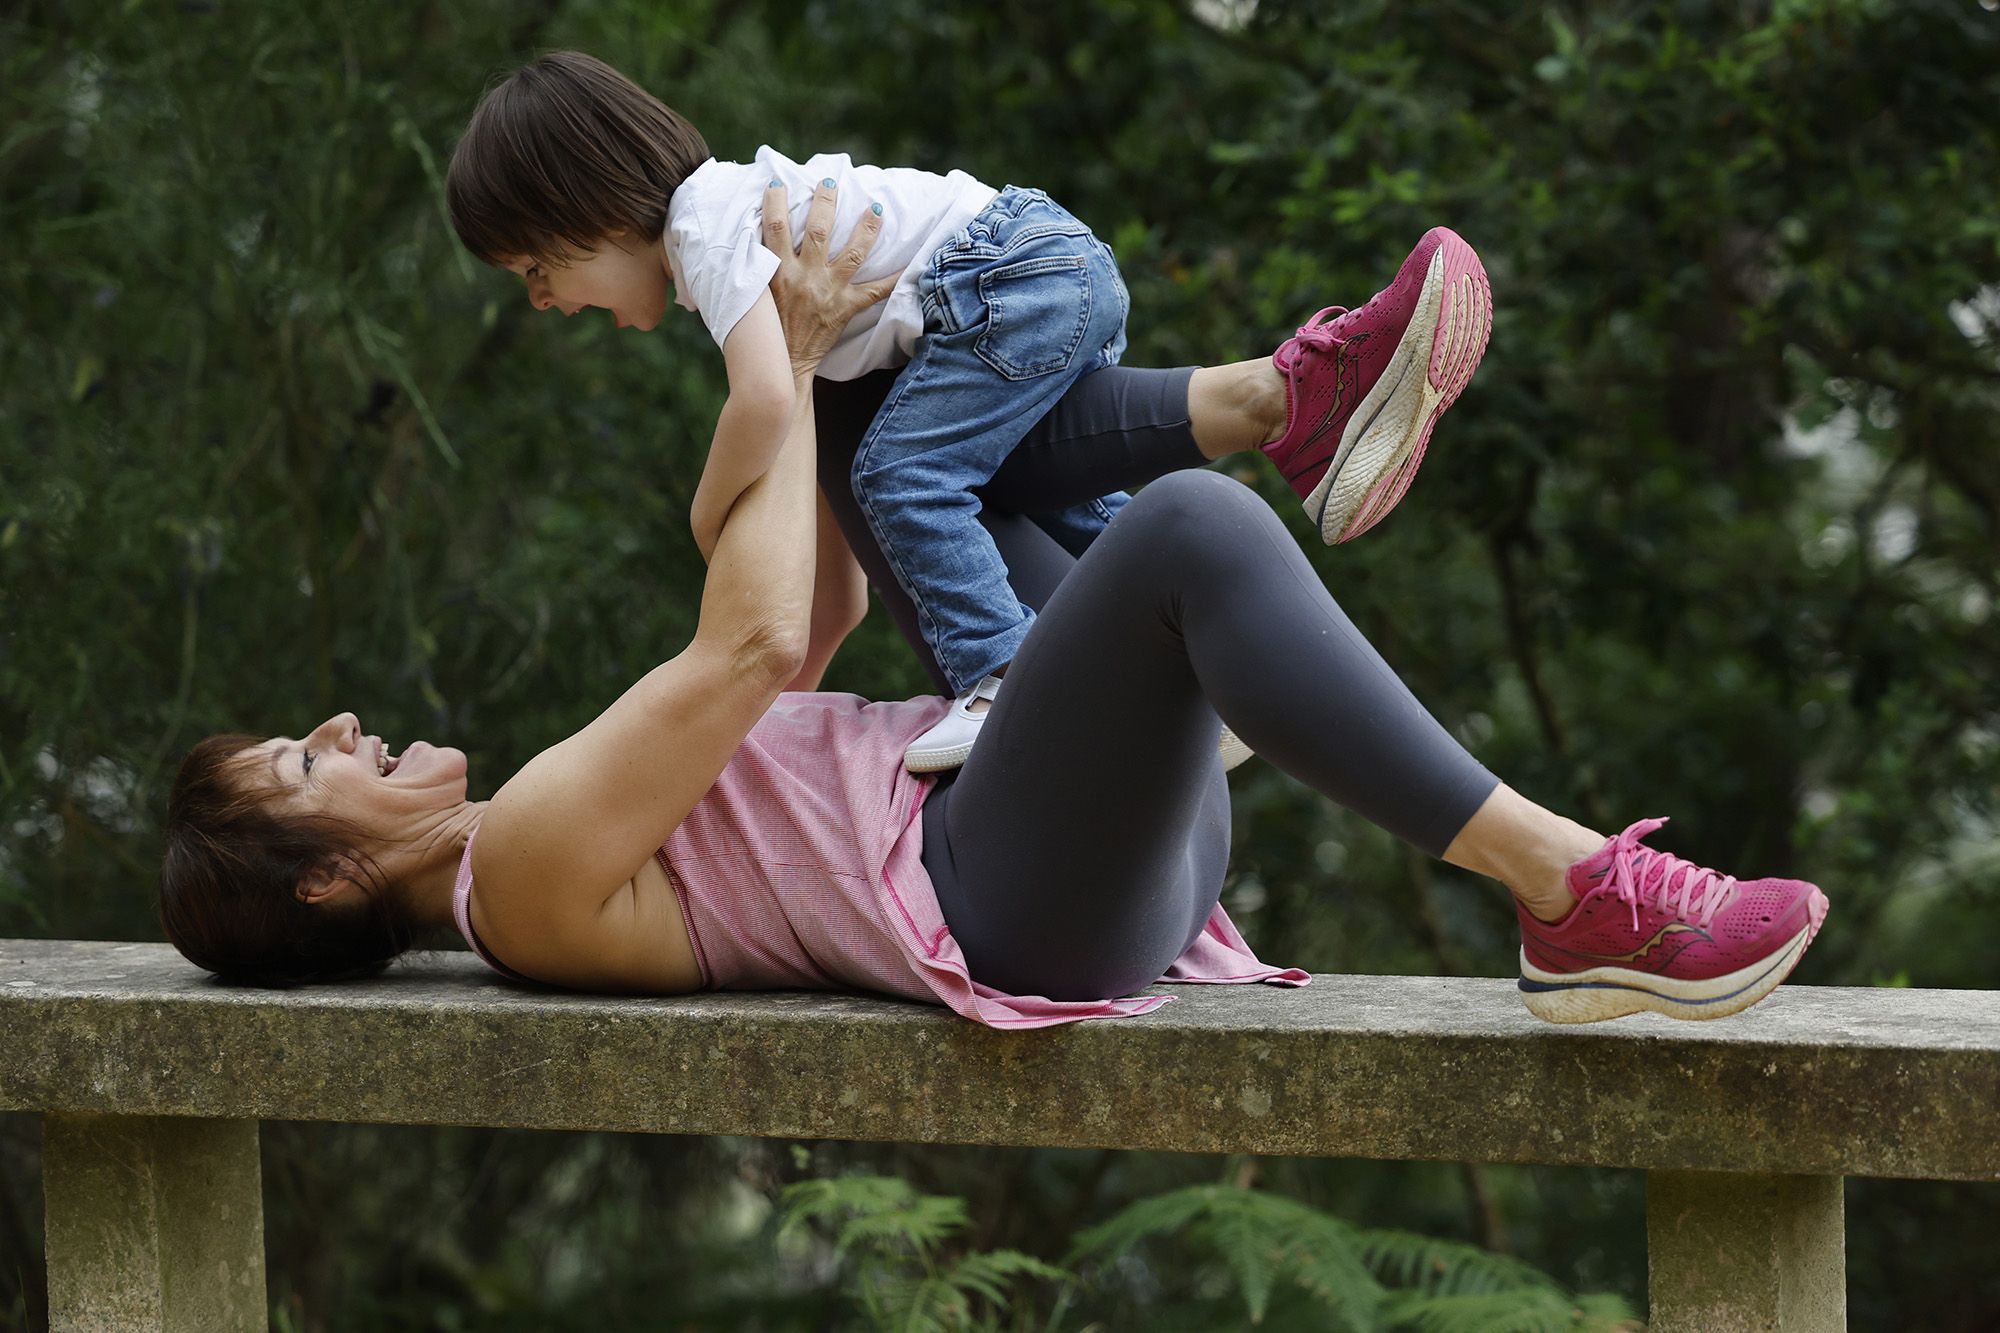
(1234, 752)
(947, 744)
(1653, 931)
(1364, 388)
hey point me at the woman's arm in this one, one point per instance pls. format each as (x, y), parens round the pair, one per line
(840, 599)
(574, 825)
(577, 822)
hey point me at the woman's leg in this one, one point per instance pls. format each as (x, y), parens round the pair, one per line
(1095, 797)
(1129, 854)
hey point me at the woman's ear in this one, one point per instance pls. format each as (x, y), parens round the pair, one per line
(327, 884)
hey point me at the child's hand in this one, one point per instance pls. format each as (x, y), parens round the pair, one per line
(817, 296)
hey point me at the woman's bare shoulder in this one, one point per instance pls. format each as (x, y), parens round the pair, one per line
(637, 942)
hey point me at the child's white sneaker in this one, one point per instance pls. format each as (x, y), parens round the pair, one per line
(1233, 750)
(947, 744)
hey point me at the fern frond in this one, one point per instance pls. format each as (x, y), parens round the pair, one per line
(810, 1200)
(925, 1305)
(1162, 1214)
(1433, 1267)
(1607, 1312)
(1260, 1238)
(884, 1212)
(990, 1274)
(1522, 1310)
(883, 1219)
(919, 1226)
(1249, 1245)
(1326, 1259)
(1449, 1286)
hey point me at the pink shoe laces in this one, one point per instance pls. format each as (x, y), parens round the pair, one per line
(1691, 892)
(1317, 333)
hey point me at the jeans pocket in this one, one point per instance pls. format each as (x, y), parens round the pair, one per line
(1036, 314)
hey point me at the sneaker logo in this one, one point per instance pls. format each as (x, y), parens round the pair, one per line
(1334, 409)
(1671, 928)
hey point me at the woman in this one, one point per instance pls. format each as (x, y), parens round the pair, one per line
(710, 830)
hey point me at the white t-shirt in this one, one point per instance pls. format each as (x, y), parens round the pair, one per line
(715, 243)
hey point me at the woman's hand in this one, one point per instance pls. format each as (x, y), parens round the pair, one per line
(816, 296)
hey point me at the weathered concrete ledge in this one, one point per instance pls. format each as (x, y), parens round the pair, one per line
(1817, 1081)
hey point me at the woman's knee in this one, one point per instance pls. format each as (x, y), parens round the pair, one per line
(1196, 501)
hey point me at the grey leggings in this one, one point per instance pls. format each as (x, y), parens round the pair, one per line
(1083, 846)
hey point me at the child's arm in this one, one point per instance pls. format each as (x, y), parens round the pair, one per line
(840, 599)
(752, 423)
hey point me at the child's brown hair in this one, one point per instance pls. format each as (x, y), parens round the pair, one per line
(561, 154)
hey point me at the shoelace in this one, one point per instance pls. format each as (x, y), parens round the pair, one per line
(1317, 332)
(1691, 892)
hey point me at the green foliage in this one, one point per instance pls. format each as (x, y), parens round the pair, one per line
(1520, 1310)
(1265, 1244)
(1261, 1239)
(893, 1232)
(1448, 1287)
(1712, 534)
(1358, 1279)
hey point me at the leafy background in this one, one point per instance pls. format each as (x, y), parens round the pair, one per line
(1713, 534)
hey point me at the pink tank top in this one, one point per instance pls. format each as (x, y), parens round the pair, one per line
(802, 868)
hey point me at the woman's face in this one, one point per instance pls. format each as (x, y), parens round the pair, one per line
(628, 280)
(336, 769)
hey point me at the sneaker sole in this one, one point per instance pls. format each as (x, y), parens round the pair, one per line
(938, 761)
(1612, 992)
(1385, 439)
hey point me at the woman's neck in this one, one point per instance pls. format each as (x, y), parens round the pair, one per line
(426, 880)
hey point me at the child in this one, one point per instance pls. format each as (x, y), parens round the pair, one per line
(600, 195)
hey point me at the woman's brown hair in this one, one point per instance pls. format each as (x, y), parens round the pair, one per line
(562, 153)
(229, 882)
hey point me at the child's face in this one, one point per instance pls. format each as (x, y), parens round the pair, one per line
(628, 279)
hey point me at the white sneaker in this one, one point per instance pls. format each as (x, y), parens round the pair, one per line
(947, 744)
(1234, 751)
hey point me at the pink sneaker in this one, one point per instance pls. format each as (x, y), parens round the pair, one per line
(1364, 388)
(1652, 931)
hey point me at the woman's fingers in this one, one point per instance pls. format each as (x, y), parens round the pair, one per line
(859, 242)
(777, 220)
(861, 295)
(819, 225)
(868, 293)
(853, 298)
(819, 233)
(816, 296)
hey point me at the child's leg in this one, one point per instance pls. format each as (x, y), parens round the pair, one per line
(1115, 429)
(1016, 311)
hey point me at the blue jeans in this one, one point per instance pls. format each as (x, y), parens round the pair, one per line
(1018, 306)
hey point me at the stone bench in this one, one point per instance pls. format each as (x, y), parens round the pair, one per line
(151, 1081)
